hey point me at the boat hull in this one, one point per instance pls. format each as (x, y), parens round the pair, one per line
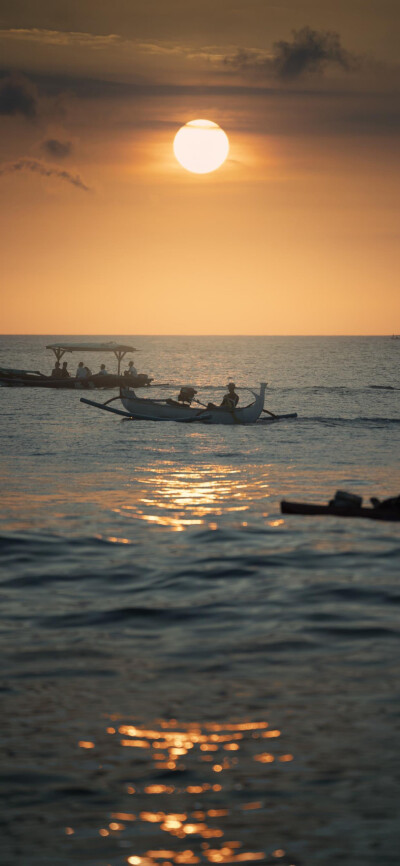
(93, 382)
(310, 508)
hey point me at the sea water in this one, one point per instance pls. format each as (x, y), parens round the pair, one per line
(187, 675)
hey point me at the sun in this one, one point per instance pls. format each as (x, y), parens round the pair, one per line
(201, 146)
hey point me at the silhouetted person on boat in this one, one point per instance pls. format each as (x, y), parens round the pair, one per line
(231, 399)
(64, 374)
(81, 371)
(131, 371)
(88, 372)
(56, 372)
(103, 371)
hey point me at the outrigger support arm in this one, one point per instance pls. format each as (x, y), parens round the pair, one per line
(105, 407)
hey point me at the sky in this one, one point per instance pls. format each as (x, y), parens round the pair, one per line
(103, 232)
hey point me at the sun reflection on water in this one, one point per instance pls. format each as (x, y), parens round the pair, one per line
(165, 495)
(223, 824)
(180, 499)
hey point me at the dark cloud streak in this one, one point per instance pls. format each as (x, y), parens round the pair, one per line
(26, 164)
(56, 148)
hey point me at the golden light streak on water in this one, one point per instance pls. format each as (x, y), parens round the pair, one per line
(176, 500)
(192, 747)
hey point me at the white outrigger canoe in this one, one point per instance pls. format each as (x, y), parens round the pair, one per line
(145, 409)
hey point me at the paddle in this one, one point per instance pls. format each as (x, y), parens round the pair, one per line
(269, 413)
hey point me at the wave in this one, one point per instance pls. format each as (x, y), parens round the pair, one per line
(310, 389)
(336, 420)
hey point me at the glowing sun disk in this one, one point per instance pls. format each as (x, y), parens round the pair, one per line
(201, 146)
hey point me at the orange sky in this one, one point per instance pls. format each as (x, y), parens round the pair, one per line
(103, 232)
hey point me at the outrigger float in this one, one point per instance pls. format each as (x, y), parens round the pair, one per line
(35, 379)
(144, 409)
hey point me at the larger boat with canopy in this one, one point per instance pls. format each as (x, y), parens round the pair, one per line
(34, 378)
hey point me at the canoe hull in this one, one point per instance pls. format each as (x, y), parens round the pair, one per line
(308, 508)
(148, 410)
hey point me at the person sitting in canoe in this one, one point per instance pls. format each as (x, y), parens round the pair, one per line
(64, 374)
(81, 371)
(229, 400)
(56, 372)
(103, 371)
(131, 371)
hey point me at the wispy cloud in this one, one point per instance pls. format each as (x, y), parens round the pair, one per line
(96, 42)
(61, 37)
(37, 167)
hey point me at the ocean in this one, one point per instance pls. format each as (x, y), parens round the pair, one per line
(188, 676)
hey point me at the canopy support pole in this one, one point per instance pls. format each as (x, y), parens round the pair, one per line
(119, 356)
(58, 353)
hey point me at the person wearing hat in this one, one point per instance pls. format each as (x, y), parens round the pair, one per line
(231, 399)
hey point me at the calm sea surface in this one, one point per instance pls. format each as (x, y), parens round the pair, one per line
(187, 676)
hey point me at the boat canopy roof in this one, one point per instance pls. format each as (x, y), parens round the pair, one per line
(117, 348)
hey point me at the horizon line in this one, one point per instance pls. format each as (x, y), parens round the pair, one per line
(119, 334)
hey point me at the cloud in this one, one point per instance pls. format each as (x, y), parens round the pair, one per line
(61, 37)
(26, 164)
(56, 148)
(310, 51)
(18, 96)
